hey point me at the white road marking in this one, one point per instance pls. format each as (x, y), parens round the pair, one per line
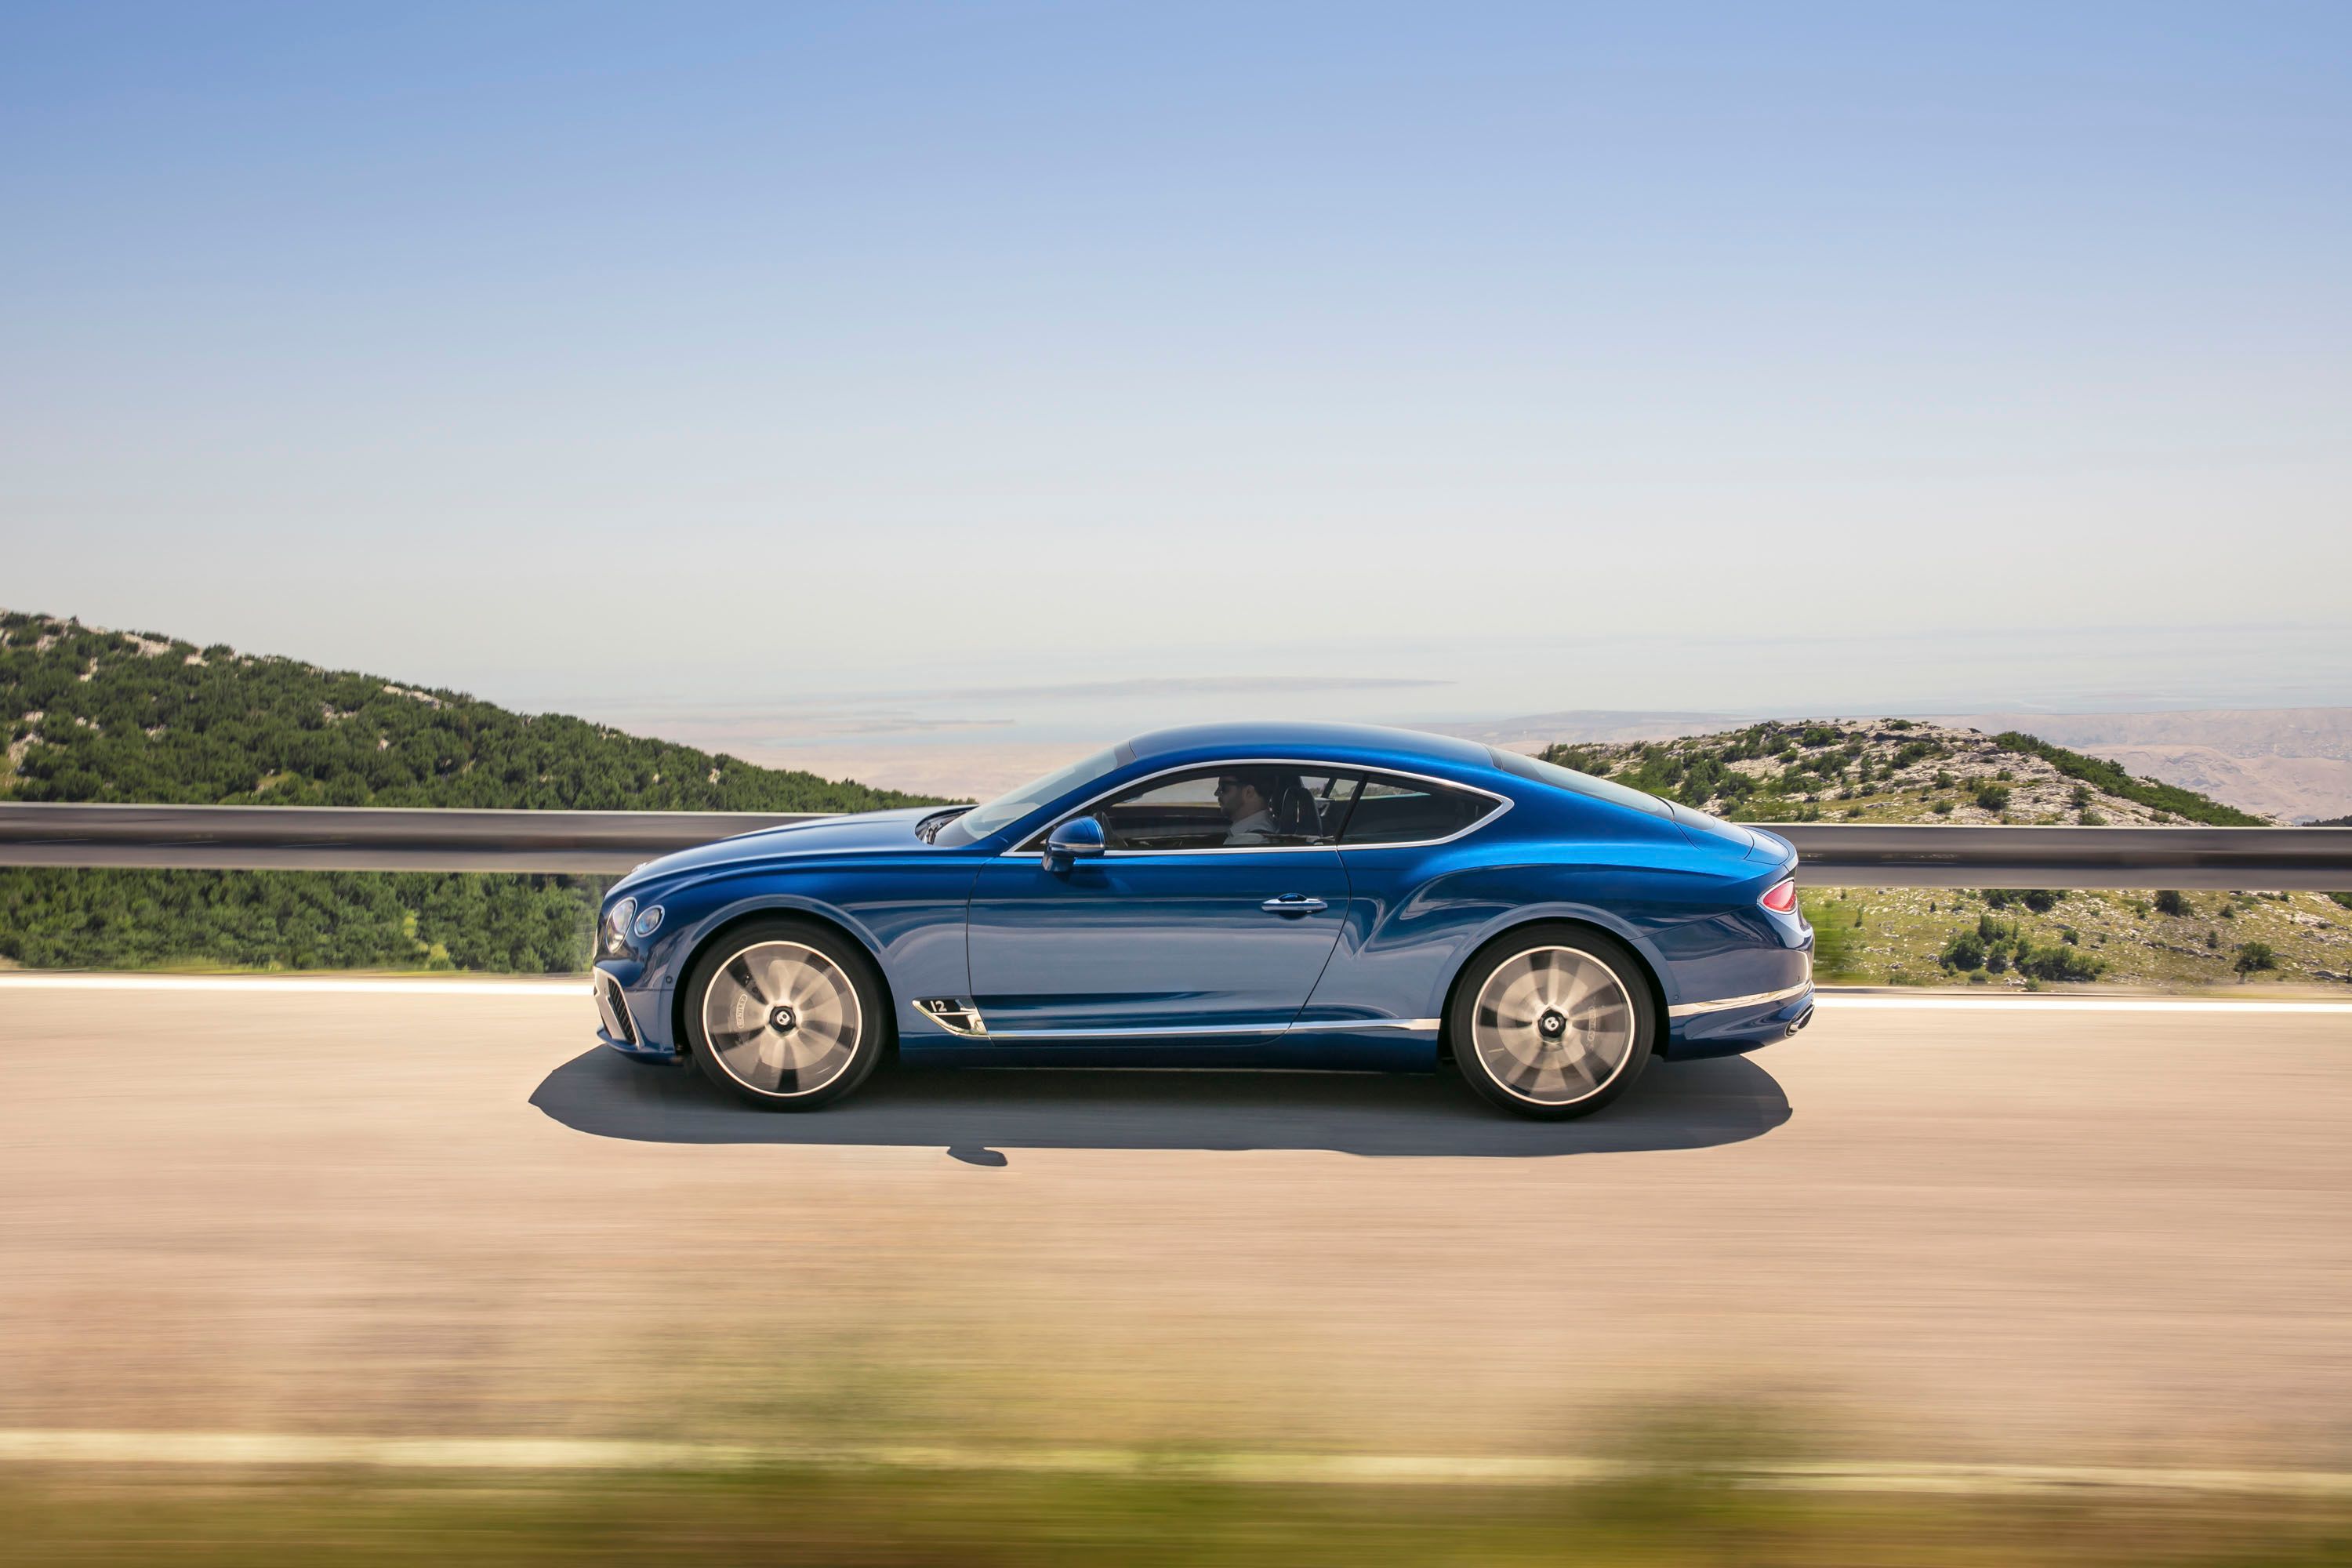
(1965, 1004)
(68, 1447)
(570, 988)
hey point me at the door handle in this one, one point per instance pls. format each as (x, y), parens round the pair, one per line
(1293, 904)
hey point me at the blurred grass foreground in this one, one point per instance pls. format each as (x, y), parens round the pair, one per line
(1695, 1513)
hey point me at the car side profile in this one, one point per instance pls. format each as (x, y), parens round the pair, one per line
(1239, 895)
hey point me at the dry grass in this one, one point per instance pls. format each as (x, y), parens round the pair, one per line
(1892, 936)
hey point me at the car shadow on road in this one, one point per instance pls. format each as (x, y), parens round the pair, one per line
(975, 1115)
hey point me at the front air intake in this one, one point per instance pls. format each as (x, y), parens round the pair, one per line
(613, 1007)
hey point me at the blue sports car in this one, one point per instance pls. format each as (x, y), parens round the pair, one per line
(1238, 895)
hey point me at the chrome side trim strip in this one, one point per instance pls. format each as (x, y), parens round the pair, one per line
(1271, 1031)
(1689, 1009)
(1268, 1029)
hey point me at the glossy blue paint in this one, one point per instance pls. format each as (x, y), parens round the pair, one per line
(1174, 958)
(1152, 942)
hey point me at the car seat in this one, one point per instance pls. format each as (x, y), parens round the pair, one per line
(1296, 814)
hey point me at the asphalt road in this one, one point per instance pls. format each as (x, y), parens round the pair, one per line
(2028, 1235)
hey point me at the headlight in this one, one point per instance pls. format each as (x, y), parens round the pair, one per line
(616, 927)
(648, 922)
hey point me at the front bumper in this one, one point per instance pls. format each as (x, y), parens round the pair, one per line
(618, 1018)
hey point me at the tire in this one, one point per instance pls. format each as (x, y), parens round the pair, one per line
(786, 1015)
(1552, 1022)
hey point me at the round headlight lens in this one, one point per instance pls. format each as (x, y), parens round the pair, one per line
(648, 922)
(616, 924)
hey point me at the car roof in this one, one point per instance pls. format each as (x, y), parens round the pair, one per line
(1369, 740)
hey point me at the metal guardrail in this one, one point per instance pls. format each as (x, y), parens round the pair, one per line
(2275, 859)
(364, 838)
(359, 838)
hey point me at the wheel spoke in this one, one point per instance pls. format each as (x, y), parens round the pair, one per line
(775, 1049)
(1592, 980)
(814, 1042)
(740, 972)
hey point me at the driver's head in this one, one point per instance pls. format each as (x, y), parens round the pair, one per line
(1245, 792)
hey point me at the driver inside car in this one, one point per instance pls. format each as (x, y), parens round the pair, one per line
(1247, 800)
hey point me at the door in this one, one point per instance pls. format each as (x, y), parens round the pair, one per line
(1211, 912)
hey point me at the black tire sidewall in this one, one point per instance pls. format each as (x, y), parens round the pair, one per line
(1483, 963)
(873, 1005)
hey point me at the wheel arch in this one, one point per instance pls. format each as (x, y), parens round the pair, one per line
(1642, 961)
(753, 915)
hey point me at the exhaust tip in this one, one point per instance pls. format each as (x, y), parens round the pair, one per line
(1802, 1019)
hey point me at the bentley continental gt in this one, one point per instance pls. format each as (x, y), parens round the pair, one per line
(1237, 895)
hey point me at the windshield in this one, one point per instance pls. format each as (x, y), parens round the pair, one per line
(1007, 809)
(1559, 777)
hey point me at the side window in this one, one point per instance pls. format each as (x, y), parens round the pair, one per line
(1406, 811)
(1242, 806)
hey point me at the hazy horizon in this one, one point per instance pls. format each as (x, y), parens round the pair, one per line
(1027, 369)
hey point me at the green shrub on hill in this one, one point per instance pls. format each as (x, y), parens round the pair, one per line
(2106, 776)
(104, 716)
(112, 717)
(295, 919)
(1997, 946)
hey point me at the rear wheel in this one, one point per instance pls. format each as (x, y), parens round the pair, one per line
(786, 1015)
(1552, 1022)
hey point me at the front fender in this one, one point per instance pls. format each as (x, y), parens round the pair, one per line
(910, 919)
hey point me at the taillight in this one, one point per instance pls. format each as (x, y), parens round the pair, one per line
(1782, 898)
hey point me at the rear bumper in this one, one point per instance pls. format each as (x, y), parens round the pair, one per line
(1742, 1024)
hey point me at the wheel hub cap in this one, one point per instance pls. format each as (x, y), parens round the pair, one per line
(781, 1020)
(1553, 1026)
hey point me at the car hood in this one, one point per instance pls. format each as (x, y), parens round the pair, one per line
(864, 831)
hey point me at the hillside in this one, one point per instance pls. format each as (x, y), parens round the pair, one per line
(2294, 764)
(94, 715)
(117, 716)
(1892, 770)
(1898, 770)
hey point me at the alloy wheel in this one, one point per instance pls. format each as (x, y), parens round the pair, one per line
(1553, 1026)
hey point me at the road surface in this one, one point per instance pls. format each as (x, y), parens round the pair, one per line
(2027, 1233)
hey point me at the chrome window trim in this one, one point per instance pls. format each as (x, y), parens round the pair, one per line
(1691, 1009)
(1504, 803)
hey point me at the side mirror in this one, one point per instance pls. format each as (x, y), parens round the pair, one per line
(1080, 839)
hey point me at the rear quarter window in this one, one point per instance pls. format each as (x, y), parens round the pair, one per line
(1408, 811)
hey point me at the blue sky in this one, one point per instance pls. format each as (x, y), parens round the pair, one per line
(1711, 358)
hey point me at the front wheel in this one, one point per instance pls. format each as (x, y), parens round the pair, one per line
(1552, 1022)
(785, 1014)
